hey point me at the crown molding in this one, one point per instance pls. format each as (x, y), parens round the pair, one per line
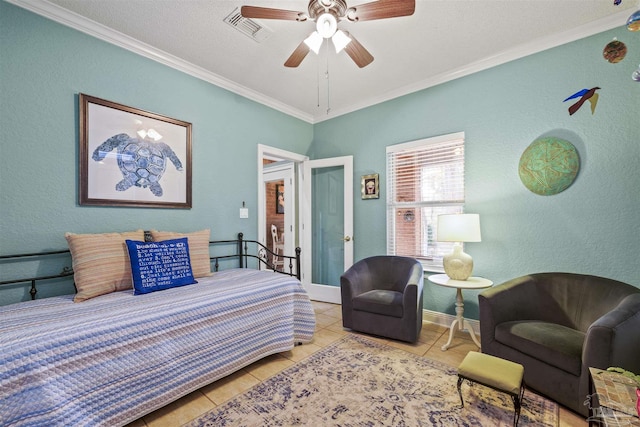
(535, 46)
(109, 35)
(92, 28)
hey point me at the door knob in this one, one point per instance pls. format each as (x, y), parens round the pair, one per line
(347, 239)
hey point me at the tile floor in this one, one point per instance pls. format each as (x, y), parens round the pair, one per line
(328, 329)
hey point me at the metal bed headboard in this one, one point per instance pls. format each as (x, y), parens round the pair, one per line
(260, 253)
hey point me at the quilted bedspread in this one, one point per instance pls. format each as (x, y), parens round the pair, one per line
(109, 360)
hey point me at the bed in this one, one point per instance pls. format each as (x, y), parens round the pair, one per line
(113, 358)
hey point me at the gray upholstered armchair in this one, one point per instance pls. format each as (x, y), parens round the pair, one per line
(382, 295)
(557, 325)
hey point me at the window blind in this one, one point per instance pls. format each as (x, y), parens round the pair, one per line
(425, 178)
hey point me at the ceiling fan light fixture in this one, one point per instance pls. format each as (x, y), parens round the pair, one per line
(314, 41)
(340, 40)
(326, 25)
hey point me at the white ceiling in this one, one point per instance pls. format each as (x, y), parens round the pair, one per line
(442, 40)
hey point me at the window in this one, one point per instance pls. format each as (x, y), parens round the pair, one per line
(425, 178)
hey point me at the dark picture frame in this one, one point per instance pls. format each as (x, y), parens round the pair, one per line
(370, 186)
(131, 157)
(280, 198)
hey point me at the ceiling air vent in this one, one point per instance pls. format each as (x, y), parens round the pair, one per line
(247, 26)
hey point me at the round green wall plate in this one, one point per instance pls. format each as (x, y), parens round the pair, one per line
(549, 166)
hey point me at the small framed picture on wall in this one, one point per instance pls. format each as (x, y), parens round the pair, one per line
(370, 186)
(280, 198)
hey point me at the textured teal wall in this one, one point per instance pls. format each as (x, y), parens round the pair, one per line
(43, 67)
(593, 227)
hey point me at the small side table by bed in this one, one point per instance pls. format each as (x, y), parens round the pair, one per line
(612, 399)
(459, 285)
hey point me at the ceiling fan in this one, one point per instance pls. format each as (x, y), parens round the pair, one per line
(327, 14)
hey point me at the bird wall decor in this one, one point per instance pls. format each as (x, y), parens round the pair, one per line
(584, 95)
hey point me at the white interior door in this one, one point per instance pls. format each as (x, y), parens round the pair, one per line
(327, 206)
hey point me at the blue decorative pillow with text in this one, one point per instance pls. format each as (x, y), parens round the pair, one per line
(156, 266)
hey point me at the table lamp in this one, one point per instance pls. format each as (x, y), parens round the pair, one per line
(458, 228)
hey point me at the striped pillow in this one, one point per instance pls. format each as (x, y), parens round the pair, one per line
(100, 262)
(198, 248)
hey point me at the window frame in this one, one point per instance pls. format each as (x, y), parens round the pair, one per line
(393, 207)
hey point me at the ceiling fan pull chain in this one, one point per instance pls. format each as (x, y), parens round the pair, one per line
(318, 82)
(326, 76)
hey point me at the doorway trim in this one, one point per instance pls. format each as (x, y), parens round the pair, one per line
(267, 152)
(281, 172)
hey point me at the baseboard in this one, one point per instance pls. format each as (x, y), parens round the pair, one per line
(331, 294)
(444, 319)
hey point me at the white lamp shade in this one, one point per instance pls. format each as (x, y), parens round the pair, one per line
(340, 40)
(458, 228)
(314, 41)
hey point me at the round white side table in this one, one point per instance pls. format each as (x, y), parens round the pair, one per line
(459, 285)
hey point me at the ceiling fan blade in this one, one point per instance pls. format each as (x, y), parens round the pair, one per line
(298, 55)
(358, 53)
(268, 13)
(381, 9)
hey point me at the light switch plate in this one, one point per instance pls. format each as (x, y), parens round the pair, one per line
(244, 213)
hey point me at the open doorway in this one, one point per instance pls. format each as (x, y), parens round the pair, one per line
(280, 211)
(276, 169)
(318, 214)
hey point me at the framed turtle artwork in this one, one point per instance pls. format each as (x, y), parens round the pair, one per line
(130, 157)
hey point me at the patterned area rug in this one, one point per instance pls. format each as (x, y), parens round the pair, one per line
(358, 382)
